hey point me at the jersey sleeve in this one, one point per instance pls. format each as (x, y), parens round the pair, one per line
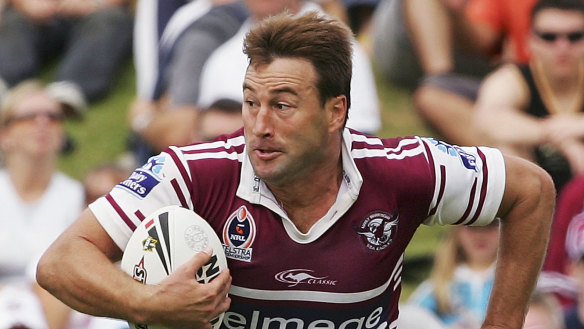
(164, 180)
(469, 183)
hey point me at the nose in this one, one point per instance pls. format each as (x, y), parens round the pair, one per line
(263, 125)
(44, 119)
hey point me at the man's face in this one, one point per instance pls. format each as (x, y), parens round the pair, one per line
(286, 128)
(557, 40)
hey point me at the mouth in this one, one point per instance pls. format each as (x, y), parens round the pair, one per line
(266, 154)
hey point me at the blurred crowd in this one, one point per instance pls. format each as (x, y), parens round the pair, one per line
(506, 74)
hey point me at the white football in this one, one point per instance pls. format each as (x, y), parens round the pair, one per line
(165, 240)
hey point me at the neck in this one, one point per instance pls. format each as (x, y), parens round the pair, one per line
(30, 178)
(560, 94)
(308, 199)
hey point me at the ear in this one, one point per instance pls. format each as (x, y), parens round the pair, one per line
(337, 111)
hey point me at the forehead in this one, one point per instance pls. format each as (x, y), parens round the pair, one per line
(553, 19)
(281, 73)
(36, 101)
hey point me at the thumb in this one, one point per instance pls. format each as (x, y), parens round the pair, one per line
(192, 266)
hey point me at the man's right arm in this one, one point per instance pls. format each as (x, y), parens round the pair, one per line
(79, 269)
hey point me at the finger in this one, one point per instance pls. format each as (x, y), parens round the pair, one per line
(190, 268)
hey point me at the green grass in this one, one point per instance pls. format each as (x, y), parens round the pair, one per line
(102, 137)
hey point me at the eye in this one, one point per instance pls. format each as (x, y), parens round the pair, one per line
(249, 103)
(282, 106)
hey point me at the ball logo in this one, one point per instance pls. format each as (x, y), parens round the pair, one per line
(140, 272)
(195, 238)
(378, 229)
(149, 243)
(238, 235)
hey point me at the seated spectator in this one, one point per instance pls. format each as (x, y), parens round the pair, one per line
(441, 49)
(173, 39)
(536, 110)
(544, 312)
(92, 39)
(461, 278)
(39, 202)
(222, 78)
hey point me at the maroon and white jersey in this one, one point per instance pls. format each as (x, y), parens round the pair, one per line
(346, 271)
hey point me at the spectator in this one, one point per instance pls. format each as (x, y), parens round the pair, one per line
(169, 61)
(570, 205)
(32, 189)
(544, 312)
(222, 117)
(38, 201)
(536, 110)
(442, 48)
(575, 248)
(462, 277)
(222, 77)
(101, 179)
(92, 39)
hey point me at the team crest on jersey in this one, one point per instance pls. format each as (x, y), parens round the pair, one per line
(378, 230)
(468, 160)
(238, 235)
(143, 179)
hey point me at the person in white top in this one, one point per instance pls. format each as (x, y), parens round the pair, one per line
(38, 203)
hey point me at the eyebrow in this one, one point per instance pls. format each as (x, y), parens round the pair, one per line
(275, 91)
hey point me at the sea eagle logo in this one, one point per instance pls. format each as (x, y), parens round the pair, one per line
(378, 230)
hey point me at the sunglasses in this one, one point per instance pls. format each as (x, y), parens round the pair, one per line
(53, 117)
(552, 37)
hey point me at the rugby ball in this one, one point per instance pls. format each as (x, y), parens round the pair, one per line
(165, 240)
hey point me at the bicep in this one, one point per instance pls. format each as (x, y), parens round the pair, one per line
(526, 187)
(87, 229)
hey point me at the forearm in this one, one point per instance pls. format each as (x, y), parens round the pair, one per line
(76, 278)
(81, 275)
(509, 128)
(525, 229)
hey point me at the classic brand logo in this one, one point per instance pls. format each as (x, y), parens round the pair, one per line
(297, 276)
(378, 230)
(238, 235)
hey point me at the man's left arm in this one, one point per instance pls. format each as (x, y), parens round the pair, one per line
(526, 215)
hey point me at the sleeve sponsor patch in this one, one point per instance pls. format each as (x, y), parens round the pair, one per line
(467, 159)
(144, 179)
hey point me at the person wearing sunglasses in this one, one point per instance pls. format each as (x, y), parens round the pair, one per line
(536, 110)
(38, 201)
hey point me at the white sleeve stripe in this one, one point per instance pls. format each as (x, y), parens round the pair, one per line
(483, 188)
(233, 142)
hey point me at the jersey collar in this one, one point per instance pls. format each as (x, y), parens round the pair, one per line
(252, 189)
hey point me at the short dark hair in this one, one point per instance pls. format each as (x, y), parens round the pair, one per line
(576, 5)
(324, 42)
